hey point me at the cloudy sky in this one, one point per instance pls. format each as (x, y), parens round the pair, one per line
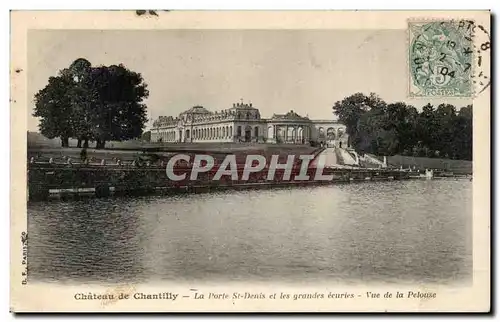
(280, 70)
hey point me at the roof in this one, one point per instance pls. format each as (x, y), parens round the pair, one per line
(242, 106)
(289, 116)
(197, 110)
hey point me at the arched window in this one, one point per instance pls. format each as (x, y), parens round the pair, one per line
(290, 135)
(231, 131)
(224, 132)
(256, 132)
(330, 133)
(321, 133)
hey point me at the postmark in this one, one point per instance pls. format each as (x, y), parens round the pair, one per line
(482, 65)
(441, 58)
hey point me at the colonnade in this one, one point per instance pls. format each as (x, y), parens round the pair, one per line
(277, 132)
(212, 133)
(295, 133)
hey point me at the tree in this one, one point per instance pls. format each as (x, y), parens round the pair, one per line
(146, 136)
(117, 108)
(462, 137)
(81, 95)
(93, 103)
(53, 106)
(445, 118)
(396, 128)
(401, 119)
(351, 108)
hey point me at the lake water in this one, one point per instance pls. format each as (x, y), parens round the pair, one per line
(399, 231)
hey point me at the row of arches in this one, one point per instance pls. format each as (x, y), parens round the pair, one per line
(289, 133)
(210, 133)
(213, 133)
(331, 133)
(167, 136)
(248, 132)
(225, 132)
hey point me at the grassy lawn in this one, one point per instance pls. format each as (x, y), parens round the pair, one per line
(42, 149)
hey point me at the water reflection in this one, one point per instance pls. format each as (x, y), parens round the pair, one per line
(415, 231)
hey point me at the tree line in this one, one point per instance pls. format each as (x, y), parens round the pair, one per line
(88, 103)
(381, 128)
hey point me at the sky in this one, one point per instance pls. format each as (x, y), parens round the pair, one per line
(306, 71)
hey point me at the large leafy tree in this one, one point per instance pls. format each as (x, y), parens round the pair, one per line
(54, 107)
(118, 110)
(93, 103)
(350, 110)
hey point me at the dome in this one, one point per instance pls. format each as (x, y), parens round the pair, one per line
(197, 110)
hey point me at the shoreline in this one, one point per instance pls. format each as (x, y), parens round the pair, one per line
(56, 181)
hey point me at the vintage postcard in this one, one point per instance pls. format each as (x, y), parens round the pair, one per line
(250, 161)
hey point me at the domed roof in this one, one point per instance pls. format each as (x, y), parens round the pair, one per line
(197, 110)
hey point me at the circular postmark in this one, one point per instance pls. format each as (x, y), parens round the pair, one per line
(441, 58)
(482, 46)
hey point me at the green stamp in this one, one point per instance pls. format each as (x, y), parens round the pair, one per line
(441, 55)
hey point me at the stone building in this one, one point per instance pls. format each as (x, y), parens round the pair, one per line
(243, 123)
